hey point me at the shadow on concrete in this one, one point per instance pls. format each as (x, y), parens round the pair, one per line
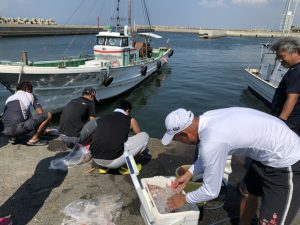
(24, 138)
(24, 204)
(3, 140)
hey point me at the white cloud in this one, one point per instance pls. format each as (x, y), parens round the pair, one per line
(211, 3)
(250, 1)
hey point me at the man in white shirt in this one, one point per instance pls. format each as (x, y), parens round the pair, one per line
(17, 118)
(264, 138)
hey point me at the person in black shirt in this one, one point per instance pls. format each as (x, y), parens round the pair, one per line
(286, 102)
(111, 140)
(77, 122)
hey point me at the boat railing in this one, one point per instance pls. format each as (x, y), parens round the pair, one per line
(10, 63)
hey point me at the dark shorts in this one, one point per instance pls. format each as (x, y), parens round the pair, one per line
(279, 189)
(294, 125)
(26, 126)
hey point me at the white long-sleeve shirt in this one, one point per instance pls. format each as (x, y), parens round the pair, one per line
(242, 131)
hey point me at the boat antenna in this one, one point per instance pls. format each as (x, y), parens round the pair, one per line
(129, 13)
(118, 18)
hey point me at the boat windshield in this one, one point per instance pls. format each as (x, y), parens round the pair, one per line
(112, 41)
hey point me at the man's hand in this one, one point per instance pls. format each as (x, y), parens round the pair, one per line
(176, 201)
(39, 110)
(179, 183)
(288, 106)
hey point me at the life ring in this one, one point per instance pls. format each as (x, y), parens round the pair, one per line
(106, 80)
(171, 52)
(158, 64)
(143, 70)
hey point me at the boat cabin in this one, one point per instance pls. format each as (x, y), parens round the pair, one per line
(116, 48)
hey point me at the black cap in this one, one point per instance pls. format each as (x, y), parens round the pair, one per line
(89, 91)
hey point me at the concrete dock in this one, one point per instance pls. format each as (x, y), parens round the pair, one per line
(35, 195)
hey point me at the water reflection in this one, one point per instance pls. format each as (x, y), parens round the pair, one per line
(249, 100)
(139, 96)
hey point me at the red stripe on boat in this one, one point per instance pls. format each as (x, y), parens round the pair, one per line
(104, 51)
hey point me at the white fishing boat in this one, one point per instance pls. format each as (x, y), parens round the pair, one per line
(117, 65)
(264, 79)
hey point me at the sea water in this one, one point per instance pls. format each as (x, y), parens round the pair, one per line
(203, 74)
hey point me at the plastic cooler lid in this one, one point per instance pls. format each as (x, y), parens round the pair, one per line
(137, 185)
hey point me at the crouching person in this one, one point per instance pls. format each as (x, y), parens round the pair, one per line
(111, 140)
(17, 119)
(77, 123)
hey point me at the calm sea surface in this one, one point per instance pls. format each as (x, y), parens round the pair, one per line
(202, 74)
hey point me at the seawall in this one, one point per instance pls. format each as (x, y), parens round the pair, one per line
(214, 33)
(18, 30)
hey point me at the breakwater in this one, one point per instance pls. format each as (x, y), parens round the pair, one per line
(215, 33)
(21, 30)
(15, 30)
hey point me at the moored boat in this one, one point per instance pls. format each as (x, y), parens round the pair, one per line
(264, 79)
(118, 64)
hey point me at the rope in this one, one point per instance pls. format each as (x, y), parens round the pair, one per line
(147, 14)
(20, 74)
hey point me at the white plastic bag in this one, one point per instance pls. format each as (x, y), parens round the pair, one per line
(102, 211)
(79, 154)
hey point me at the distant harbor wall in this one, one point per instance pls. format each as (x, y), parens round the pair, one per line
(259, 33)
(170, 28)
(18, 30)
(215, 33)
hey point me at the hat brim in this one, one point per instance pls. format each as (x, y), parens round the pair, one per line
(167, 138)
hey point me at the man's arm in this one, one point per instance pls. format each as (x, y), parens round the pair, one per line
(289, 105)
(134, 126)
(37, 106)
(214, 159)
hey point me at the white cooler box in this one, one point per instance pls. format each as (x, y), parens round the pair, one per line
(148, 208)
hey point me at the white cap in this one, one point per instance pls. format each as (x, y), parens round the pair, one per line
(176, 122)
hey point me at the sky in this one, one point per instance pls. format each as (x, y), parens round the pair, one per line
(227, 14)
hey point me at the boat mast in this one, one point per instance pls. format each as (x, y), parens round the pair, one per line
(129, 16)
(288, 16)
